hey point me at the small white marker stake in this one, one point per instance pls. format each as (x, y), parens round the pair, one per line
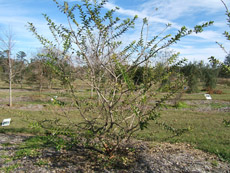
(208, 97)
(6, 122)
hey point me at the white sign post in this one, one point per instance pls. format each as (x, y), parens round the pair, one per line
(6, 122)
(208, 97)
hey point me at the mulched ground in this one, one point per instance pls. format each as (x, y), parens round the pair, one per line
(146, 157)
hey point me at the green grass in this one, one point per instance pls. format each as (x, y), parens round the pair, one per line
(30, 147)
(10, 168)
(207, 131)
(181, 105)
(34, 142)
(26, 152)
(22, 120)
(219, 105)
(42, 162)
(6, 144)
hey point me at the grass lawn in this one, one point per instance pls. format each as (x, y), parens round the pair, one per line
(207, 131)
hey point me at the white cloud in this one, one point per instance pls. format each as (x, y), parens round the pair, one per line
(198, 54)
(198, 46)
(219, 24)
(141, 15)
(173, 9)
(209, 35)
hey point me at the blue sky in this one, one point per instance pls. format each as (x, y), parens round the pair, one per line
(16, 13)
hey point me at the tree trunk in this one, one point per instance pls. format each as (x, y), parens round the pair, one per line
(91, 92)
(10, 90)
(10, 79)
(40, 88)
(50, 84)
(8, 45)
(21, 81)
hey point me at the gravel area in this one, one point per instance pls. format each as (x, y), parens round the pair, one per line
(147, 157)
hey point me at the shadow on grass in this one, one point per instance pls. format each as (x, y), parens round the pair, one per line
(45, 151)
(19, 130)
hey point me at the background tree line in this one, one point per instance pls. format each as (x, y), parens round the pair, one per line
(37, 72)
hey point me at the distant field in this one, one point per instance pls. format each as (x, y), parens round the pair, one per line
(203, 117)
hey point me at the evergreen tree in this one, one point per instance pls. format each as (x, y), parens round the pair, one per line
(192, 74)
